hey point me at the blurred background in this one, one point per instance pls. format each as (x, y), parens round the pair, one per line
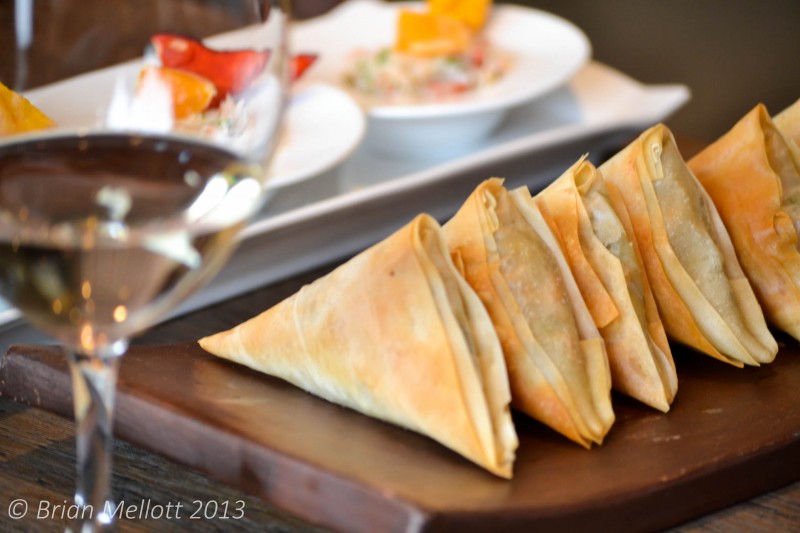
(732, 54)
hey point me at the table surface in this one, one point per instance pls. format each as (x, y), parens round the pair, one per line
(37, 458)
(37, 447)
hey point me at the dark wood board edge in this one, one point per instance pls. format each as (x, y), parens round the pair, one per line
(694, 494)
(343, 498)
(368, 507)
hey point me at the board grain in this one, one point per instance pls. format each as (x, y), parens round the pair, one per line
(731, 434)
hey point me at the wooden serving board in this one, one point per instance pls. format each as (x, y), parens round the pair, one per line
(731, 434)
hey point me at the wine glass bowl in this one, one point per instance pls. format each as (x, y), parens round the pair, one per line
(130, 192)
(138, 224)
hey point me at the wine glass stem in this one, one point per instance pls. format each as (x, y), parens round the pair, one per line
(94, 380)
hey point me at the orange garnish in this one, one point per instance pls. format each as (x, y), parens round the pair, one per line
(428, 34)
(18, 115)
(471, 12)
(191, 94)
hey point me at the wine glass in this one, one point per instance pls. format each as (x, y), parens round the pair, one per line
(134, 138)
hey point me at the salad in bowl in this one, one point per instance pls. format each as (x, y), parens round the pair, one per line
(440, 52)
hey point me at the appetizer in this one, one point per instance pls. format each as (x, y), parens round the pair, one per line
(18, 115)
(397, 334)
(608, 269)
(753, 176)
(439, 53)
(216, 94)
(231, 71)
(704, 299)
(555, 356)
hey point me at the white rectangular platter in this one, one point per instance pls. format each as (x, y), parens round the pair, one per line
(368, 196)
(339, 212)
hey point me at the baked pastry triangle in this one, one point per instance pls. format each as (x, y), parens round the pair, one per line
(397, 334)
(703, 297)
(608, 269)
(556, 359)
(753, 176)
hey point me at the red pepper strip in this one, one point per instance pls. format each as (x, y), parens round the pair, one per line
(301, 63)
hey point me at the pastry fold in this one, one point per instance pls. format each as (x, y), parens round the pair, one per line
(397, 334)
(608, 270)
(556, 359)
(703, 297)
(788, 122)
(753, 177)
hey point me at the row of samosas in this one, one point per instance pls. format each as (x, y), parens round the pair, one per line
(546, 302)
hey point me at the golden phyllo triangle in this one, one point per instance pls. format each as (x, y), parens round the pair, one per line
(18, 115)
(556, 359)
(607, 267)
(704, 299)
(752, 174)
(397, 334)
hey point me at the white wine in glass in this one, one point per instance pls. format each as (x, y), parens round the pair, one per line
(134, 141)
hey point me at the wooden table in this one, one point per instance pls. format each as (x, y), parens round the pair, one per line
(37, 458)
(37, 451)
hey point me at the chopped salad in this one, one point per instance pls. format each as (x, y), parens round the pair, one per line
(439, 53)
(389, 76)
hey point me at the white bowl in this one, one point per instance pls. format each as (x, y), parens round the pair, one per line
(435, 135)
(547, 52)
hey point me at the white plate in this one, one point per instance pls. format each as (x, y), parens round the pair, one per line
(547, 52)
(323, 126)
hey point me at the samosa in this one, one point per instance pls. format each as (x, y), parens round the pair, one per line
(703, 297)
(752, 175)
(557, 365)
(608, 269)
(397, 334)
